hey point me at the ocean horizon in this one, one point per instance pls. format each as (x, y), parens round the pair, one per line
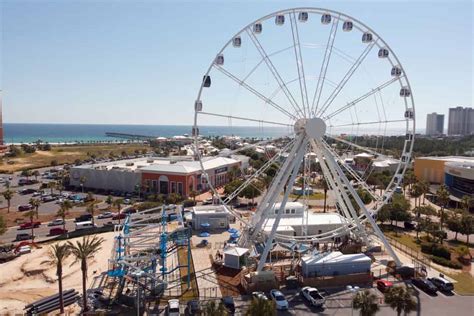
(17, 133)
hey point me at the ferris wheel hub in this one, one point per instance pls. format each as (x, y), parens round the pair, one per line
(314, 128)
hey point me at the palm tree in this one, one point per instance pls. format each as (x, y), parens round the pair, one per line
(443, 198)
(262, 307)
(416, 192)
(425, 188)
(52, 186)
(193, 195)
(91, 208)
(83, 251)
(82, 180)
(466, 202)
(31, 215)
(3, 225)
(57, 255)
(8, 195)
(36, 204)
(35, 174)
(400, 299)
(213, 309)
(366, 301)
(26, 173)
(63, 212)
(118, 204)
(325, 187)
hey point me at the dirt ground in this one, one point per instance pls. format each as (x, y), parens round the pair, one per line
(30, 278)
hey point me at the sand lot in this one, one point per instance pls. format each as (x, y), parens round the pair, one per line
(28, 278)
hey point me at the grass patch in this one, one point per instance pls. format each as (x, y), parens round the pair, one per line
(464, 284)
(405, 240)
(314, 196)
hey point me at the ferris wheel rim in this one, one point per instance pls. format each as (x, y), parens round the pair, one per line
(357, 23)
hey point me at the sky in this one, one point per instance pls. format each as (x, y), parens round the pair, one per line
(142, 62)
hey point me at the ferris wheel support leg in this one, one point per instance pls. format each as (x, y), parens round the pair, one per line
(294, 168)
(342, 184)
(272, 193)
(356, 197)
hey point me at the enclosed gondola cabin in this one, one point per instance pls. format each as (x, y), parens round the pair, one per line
(257, 28)
(347, 26)
(409, 114)
(383, 53)
(405, 92)
(220, 60)
(367, 37)
(206, 81)
(396, 71)
(326, 18)
(236, 41)
(303, 16)
(280, 19)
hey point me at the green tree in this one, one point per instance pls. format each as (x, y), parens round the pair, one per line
(400, 299)
(443, 199)
(455, 224)
(261, 307)
(26, 173)
(91, 209)
(31, 215)
(325, 187)
(425, 188)
(64, 211)
(52, 186)
(35, 174)
(416, 192)
(193, 195)
(35, 203)
(82, 252)
(467, 225)
(109, 200)
(214, 309)
(8, 195)
(466, 201)
(366, 302)
(56, 256)
(3, 225)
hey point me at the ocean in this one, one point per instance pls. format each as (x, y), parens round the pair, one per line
(60, 133)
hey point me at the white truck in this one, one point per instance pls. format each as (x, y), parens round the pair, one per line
(313, 296)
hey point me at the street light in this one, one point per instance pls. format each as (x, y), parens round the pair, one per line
(138, 274)
(352, 289)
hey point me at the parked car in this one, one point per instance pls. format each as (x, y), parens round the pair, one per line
(442, 284)
(229, 304)
(48, 198)
(127, 201)
(28, 225)
(130, 211)
(57, 231)
(118, 216)
(313, 296)
(56, 222)
(259, 295)
(384, 285)
(106, 215)
(193, 307)
(37, 193)
(409, 225)
(425, 285)
(24, 250)
(279, 299)
(23, 236)
(25, 207)
(27, 191)
(83, 218)
(173, 307)
(85, 225)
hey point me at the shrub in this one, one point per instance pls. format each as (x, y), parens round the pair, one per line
(446, 263)
(436, 250)
(188, 203)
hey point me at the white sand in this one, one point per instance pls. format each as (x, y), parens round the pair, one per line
(28, 278)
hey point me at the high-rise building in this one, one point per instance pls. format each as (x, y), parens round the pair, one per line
(461, 121)
(434, 124)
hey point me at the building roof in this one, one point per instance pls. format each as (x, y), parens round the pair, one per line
(188, 167)
(334, 257)
(461, 159)
(313, 219)
(235, 251)
(209, 209)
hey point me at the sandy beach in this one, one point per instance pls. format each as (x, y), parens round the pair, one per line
(28, 278)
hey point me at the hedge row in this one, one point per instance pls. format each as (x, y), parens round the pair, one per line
(436, 250)
(446, 263)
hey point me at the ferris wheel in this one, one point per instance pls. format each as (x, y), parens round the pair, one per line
(319, 94)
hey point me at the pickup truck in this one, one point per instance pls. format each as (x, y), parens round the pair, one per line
(28, 225)
(313, 296)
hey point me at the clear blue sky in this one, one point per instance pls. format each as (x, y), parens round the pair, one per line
(123, 62)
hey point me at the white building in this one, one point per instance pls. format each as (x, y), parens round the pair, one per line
(212, 216)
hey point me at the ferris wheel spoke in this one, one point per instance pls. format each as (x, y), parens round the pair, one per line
(361, 98)
(299, 63)
(275, 73)
(369, 123)
(255, 92)
(324, 66)
(232, 117)
(262, 60)
(345, 79)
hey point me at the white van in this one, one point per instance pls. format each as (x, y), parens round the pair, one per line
(85, 225)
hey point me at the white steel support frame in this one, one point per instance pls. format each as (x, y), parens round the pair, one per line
(329, 158)
(295, 164)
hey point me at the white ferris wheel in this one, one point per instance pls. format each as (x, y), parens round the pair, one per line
(315, 89)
